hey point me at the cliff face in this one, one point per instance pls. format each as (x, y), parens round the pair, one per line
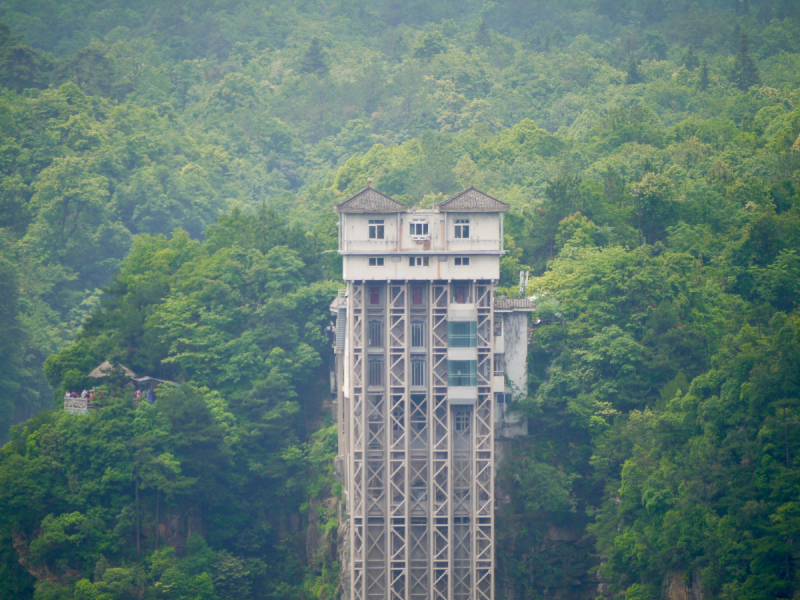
(678, 586)
(539, 557)
(542, 546)
(343, 539)
(326, 548)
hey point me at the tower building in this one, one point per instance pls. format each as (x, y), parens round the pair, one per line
(422, 390)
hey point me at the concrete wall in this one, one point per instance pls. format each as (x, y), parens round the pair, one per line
(397, 268)
(515, 356)
(485, 233)
(515, 334)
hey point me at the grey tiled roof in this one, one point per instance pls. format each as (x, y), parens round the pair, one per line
(369, 201)
(472, 200)
(513, 304)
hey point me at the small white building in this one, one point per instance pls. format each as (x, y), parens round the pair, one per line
(511, 332)
(427, 365)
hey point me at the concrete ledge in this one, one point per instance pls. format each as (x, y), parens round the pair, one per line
(462, 395)
(462, 312)
(462, 354)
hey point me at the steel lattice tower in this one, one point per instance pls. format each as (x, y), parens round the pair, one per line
(417, 381)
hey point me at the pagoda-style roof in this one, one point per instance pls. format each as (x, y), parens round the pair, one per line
(472, 200)
(105, 368)
(369, 201)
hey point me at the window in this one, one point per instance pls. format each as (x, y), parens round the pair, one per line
(375, 334)
(461, 420)
(462, 261)
(417, 371)
(418, 229)
(462, 373)
(417, 334)
(416, 295)
(375, 372)
(502, 398)
(376, 261)
(461, 294)
(418, 261)
(376, 229)
(498, 327)
(462, 228)
(462, 334)
(374, 295)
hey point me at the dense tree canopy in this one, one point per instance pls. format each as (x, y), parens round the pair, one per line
(167, 173)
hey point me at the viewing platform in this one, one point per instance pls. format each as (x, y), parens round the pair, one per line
(77, 406)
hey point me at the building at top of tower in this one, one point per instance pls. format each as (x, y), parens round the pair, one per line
(461, 238)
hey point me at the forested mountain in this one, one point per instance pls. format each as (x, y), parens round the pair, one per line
(168, 171)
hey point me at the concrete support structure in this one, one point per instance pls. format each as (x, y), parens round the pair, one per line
(417, 384)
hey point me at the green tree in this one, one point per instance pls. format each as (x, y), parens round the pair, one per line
(314, 60)
(657, 206)
(11, 331)
(632, 71)
(745, 72)
(687, 503)
(429, 44)
(483, 36)
(703, 81)
(90, 69)
(556, 39)
(690, 59)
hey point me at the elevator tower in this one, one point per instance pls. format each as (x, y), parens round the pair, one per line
(419, 386)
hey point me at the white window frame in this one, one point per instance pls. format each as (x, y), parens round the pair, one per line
(376, 229)
(419, 230)
(418, 371)
(375, 373)
(461, 261)
(376, 261)
(462, 229)
(419, 326)
(375, 333)
(502, 397)
(418, 261)
(461, 420)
